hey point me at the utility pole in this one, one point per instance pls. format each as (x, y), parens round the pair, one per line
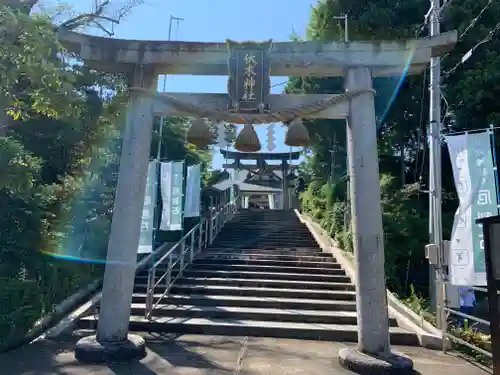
(160, 140)
(177, 20)
(435, 183)
(332, 152)
(347, 215)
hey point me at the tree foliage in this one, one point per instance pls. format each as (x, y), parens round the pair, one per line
(59, 159)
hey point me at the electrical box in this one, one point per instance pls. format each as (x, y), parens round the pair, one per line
(452, 291)
(431, 253)
(453, 296)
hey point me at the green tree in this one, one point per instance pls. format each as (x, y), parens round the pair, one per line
(60, 153)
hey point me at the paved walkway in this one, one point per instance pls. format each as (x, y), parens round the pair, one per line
(214, 355)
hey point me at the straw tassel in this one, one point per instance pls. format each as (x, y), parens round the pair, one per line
(199, 133)
(247, 140)
(297, 134)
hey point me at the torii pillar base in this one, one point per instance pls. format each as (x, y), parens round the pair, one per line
(368, 364)
(90, 350)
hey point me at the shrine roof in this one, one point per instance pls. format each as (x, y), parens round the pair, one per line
(245, 187)
(258, 155)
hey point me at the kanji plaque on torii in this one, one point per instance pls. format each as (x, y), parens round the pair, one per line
(248, 83)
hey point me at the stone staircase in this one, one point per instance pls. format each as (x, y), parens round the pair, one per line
(264, 275)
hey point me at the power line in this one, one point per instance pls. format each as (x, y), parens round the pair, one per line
(469, 53)
(474, 21)
(471, 25)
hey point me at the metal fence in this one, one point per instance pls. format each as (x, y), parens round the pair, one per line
(169, 267)
(450, 320)
(453, 319)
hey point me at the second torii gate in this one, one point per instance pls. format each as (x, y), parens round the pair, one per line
(261, 167)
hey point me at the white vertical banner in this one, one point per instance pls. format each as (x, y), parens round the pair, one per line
(147, 223)
(171, 194)
(271, 199)
(193, 191)
(473, 174)
(166, 193)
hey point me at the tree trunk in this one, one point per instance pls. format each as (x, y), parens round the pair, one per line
(4, 123)
(402, 164)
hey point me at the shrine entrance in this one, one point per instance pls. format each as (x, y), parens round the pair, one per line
(261, 184)
(249, 103)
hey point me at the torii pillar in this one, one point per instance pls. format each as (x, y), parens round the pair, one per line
(285, 198)
(112, 342)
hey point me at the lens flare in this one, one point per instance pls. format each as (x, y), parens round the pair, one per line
(82, 226)
(388, 89)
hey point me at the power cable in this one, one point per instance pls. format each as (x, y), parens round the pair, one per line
(474, 21)
(470, 26)
(469, 53)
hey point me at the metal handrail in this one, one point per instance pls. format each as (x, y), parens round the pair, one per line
(198, 238)
(446, 333)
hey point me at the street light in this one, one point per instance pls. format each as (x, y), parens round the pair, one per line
(491, 238)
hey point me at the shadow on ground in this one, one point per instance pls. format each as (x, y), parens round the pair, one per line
(203, 355)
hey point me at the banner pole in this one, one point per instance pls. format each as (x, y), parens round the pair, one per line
(495, 165)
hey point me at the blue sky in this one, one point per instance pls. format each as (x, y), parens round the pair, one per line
(215, 21)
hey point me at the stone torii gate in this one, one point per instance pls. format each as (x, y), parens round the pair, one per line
(262, 167)
(357, 62)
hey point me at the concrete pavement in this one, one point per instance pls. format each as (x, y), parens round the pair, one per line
(214, 355)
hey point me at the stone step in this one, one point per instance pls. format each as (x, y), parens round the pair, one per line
(190, 272)
(250, 301)
(283, 247)
(271, 251)
(258, 244)
(232, 238)
(264, 262)
(293, 277)
(267, 256)
(142, 277)
(262, 238)
(305, 331)
(278, 226)
(260, 283)
(255, 223)
(266, 267)
(178, 288)
(265, 232)
(232, 313)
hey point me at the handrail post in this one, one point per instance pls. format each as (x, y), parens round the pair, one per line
(181, 259)
(207, 234)
(191, 246)
(210, 230)
(168, 278)
(150, 291)
(200, 234)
